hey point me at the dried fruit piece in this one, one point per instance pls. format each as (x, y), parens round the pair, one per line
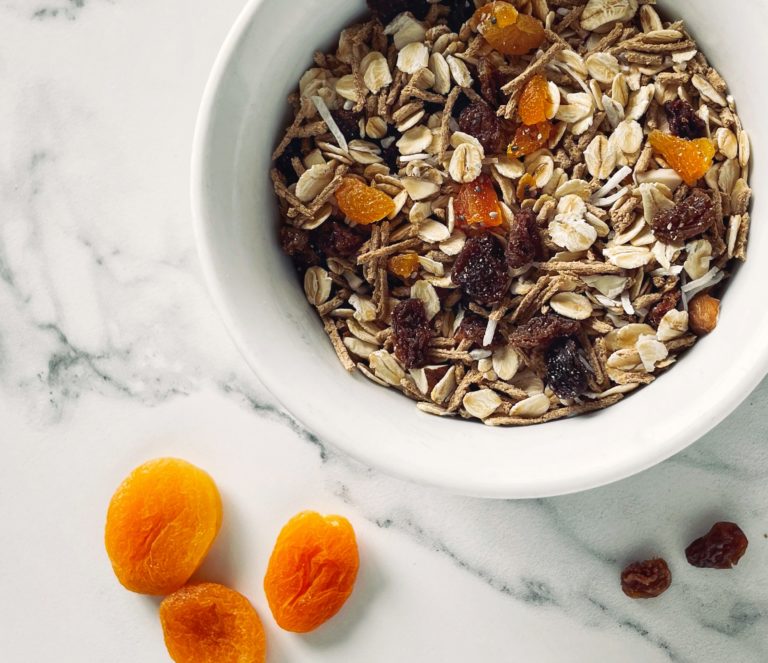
(683, 121)
(411, 330)
(480, 121)
(477, 204)
(210, 623)
(542, 331)
(386, 10)
(526, 187)
(690, 158)
(361, 203)
(720, 548)
(161, 522)
(472, 329)
(491, 81)
(686, 220)
(535, 101)
(703, 313)
(311, 571)
(646, 580)
(348, 122)
(336, 239)
(481, 270)
(529, 139)
(524, 243)
(668, 302)
(295, 243)
(566, 373)
(507, 30)
(404, 265)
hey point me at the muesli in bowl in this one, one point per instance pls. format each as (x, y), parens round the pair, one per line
(513, 212)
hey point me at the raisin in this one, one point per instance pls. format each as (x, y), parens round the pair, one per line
(472, 329)
(481, 270)
(348, 122)
(566, 373)
(459, 12)
(480, 121)
(524, 244)
(691, 159)
(390, 155)
(686, 220)
(434, 374)
(490, 81)
(283, 162)
(720, 548)
(386, 10)
(542, 331)
(667, 303)
(683, 121)
(646, 580)
(703, 313)
(295, 243)
(411, 333)
(336, 240)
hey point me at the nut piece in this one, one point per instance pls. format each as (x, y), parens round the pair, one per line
(646, 580)
(481, 404)
(703, 312)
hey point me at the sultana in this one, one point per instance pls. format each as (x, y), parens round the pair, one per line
(362, 203)
(535, 102)
(692, 159)
(507, 30)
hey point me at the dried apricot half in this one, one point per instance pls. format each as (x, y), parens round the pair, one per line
(404, 265)
(529, 139)
(507, 30)
(210, 623)
(690, 158)
(535, 102)
(362, 203)
(161, 522)
(312, 570)
(477, 204)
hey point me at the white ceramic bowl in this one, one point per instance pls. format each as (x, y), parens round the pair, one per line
(252, 284)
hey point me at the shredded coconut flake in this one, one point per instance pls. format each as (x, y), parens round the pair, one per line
(328, 119)
(480, 354)
(704, 281)
(490, 330)
(612, 183)
(627, 304)
(607, 202)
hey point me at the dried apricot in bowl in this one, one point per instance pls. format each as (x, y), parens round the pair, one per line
(210, 623)
(507, 30)
(161, 522)
(312, 570)
(361, 203)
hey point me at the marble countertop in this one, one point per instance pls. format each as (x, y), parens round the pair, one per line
(111, 353)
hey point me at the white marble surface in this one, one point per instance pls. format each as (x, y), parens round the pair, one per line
(110, 353)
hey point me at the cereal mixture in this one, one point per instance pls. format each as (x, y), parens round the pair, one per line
(513, 211)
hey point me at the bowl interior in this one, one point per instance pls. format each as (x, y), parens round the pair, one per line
(263, 305)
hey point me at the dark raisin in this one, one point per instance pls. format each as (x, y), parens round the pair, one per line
(348, 122)
(686, 220)
(490, 81)
(336, 239)
(683, 121)
(386, 10)
(481, 270)
(646, 580)
(472, 329)
(480, 121)
(524, 244)
(566, 373)
(542, 331)
(720, 548)
(284, 164)
(295, 243)
(668, 302)
(390, 155)
(434, 375)
(411, 333)
(459, 12)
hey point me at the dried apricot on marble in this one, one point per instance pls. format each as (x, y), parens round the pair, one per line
(535, 102)
(210, 623)
(507, 30)
(361, 203)
(404, 265)
(529, 139)
(312, 570)
(477, 204)
(161, 522)
(690, 158)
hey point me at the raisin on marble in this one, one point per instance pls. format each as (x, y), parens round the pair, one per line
(412, 332)
(646, 580)
(386, 10)
(686, 220)
(683, 121)
(480, 121)
(566, 373)
(481, 269)
(542, 331)
(720, 548)
(524, 243)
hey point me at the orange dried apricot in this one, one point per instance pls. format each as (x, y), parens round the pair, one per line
(210, 623)
(507, 30)
(703, 313)
(161, 522)
(690, 158)
(477, 204)
(312, 570)
(361, 203)
(529, 139)
(404, 265)
(535, 101)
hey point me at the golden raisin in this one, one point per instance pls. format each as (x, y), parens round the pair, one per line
(507, 30)
(526, 187)
(404, 265)
(477, 204)
(703, 312)
(361, 203)
(312, 570)
(161, 522)
(210, 623)
(690, 158)
(529, 139)
(535, 101)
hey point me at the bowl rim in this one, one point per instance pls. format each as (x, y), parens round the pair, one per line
(734, 392)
